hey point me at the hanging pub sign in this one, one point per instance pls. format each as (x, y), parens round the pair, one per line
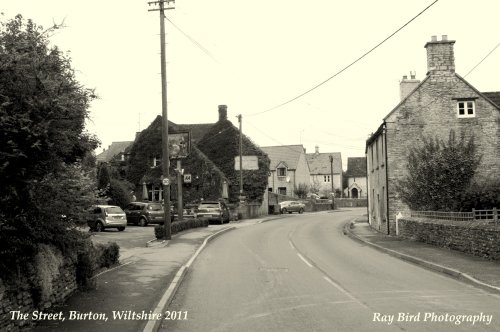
(179, 145)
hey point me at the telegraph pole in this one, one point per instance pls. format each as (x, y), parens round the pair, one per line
(241, 163)
(331, 181)
(165, 165)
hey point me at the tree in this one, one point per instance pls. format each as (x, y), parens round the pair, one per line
(301, 190)
(43, 109)
(439, 173)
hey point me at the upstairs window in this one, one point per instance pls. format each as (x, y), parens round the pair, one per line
(466, 109)
(156, 161)
(326, 178)
(281, 171)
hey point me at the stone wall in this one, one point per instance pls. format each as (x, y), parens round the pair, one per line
(18, 295)
(482, 240)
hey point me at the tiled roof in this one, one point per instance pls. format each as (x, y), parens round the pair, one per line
(356, 166)
(319, 163)
(197, 130)
(289, 154)
(114, 149)
(493, 96)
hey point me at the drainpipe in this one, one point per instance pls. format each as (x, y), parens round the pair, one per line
(386, 177)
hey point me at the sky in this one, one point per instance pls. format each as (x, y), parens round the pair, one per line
(254, 57)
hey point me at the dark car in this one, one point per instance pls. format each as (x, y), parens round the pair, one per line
(144, 213)
(106, 216)
(213, 211)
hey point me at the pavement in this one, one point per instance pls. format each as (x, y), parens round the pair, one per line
(144, 283)
(477, 271)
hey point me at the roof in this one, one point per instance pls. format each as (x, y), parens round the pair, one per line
(319, 163)
(493, 96)
(197, 130)
(288, 154)
(356, 167)
(114, 149)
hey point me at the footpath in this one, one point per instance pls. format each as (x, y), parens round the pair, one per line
(146, 280)
(473, 270)
(137, 286)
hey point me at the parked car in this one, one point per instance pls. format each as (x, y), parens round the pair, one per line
(144, 213)
(106, 216)
(213, 211)
(292, 206)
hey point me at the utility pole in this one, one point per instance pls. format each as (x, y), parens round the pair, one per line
(165, 165)
(331, 181)
(241, 157)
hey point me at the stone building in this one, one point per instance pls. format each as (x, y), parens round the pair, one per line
(356, 177)
(441, 102)
(324, 171)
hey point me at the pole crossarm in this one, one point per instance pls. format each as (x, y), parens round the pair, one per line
(170, 5)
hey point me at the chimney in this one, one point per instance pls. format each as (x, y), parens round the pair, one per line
(317, 149)
(440, 56)
(406, 86)
(222, 112)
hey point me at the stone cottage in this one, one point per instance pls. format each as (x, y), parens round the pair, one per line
(441, 102)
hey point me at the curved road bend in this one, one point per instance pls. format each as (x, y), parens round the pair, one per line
(300, 273)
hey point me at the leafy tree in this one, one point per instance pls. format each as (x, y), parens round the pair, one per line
(43, 109)
(439, 173)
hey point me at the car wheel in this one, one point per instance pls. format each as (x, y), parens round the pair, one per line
(143, 222)
(121, 229)
(99, 227)
(301, 210)
(283, 211)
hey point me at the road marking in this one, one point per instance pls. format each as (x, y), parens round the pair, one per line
(340, 288)
(109, 270)
(305, 260)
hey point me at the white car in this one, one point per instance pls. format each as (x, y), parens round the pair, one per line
(292, 206)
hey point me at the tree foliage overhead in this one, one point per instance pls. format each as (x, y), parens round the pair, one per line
(44, 156)
(439, 173)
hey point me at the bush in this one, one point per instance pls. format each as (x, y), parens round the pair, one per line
(107, 254)
(180, 226)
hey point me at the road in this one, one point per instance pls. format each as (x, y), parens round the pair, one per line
(301, 273)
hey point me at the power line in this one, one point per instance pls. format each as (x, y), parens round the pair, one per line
(346, 67)
(191, 39)
(480, 62)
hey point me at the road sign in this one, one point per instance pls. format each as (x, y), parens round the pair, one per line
(165, 181)
(187, 178)
(249, 163)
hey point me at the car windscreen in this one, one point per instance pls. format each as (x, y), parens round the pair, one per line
(155, 207)
(114, 209)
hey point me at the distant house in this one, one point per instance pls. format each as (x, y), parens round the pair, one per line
(443, 101)
(324, 171)
(356, 177)
(115, 150)
(288, 169)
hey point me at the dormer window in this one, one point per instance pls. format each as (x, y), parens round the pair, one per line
(281, 171)
(466, 109)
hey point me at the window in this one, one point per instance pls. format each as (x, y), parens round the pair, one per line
(281, 171)
(282, 190)
(326, 178)
(466, 109)
(156, 161)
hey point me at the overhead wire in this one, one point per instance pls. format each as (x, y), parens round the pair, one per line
(346, 67)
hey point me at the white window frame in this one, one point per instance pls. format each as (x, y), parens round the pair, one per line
(464, 105)
(156, 161)
(326, 179)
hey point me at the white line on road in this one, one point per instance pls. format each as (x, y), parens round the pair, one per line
(305, 260)
(340, 288)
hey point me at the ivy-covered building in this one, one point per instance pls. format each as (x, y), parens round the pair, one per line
(210, 166)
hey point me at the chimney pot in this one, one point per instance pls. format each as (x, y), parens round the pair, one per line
(317, 149)
(412, 75)
(434, 38)
(444, 37)
(405, 77)
(222, 112)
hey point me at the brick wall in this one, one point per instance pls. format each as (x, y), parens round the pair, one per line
(482, 241)
(19, 297)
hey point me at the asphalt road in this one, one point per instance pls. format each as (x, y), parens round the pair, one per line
(300, 273)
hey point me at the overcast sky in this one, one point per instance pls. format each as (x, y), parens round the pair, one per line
(253, 56)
